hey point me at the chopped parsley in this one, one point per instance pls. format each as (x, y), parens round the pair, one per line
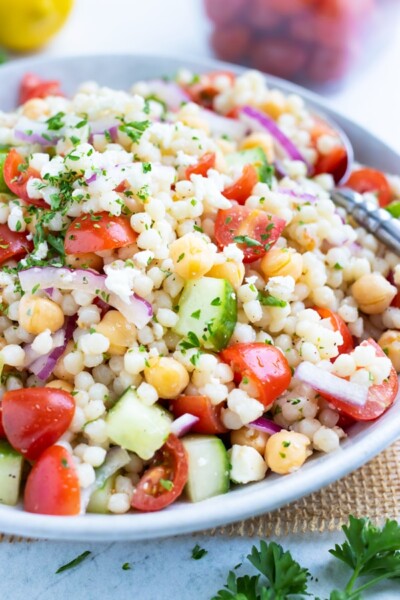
(196, 314)
(55, 123)
(126, 566)
(268, 300)
(135, 129)
(198, 552)
(74, 563)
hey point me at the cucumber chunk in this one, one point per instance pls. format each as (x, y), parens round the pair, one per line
(207, 312)
(3, 186)
(10, 473)
(208, 467)
(98, 502)
(137, 427)
(255, 157)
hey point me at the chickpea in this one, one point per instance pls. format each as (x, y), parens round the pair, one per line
(35, 108)
(280, 262)
(87, 260)
(35, 314)
(192, 256)
(390, 343)
(246, 436)
(196, 123)
(230, 270)
(373, 293)
(117, 329)
(260, 140)
(59, 384)
(286, 451)
(59, 370)
(168, 376)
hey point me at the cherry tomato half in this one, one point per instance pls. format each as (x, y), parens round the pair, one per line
(206, 162)
(200, 406)
(17, 179)
(204, 91)
(35, 418)
(52, 487)
(13, 244)
(165, 478)
(241, 189)
(2, 432)
(338, 325)
(255, 231)
(33, 86)
(380, 397)
(265, 366)
(97, 232)
(370, 180)
(334, 163)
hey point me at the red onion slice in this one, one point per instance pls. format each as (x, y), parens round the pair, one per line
(265, 425)
(259, 121)
(220, 125)
(36, 132)
(183, 424)
(44, 365)
(138, 311)
(169, 92)
(324, 382)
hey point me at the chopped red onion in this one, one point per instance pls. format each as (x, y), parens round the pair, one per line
(220, 125)
(300, 195)
(259, 121)
(43, 366)
(183, 424)
(265, 425)
(36, 132)
(169, 92)
(324, 382)
(138, 311)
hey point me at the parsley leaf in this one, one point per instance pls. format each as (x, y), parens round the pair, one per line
(135, 129)
(268, 300)
(75, 562)
(55, 123)
(198, 553)
(248, 241)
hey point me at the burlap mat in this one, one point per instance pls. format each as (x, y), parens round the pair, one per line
(372, 491)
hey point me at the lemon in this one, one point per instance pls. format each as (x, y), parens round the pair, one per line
(29, 24)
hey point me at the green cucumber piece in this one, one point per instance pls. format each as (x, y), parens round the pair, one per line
(11, 463)
(207, 313)
(3, 186)
(98, 502)
(255, 157)
(137, 427)
(208, 467)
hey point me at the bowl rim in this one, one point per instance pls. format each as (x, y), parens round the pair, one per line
(239, 504)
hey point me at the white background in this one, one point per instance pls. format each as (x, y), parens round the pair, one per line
(164, 570)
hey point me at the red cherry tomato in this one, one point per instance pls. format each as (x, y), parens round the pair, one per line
(265, 366)
(97, 232)
(17, 179)
(35, 418)
(241, 189)
(2, 432)
(200, 406)
(52, 487)
(262, 18)
(204, 91)
(206, 162)
(289, 8)
(13, 244)
(258, 230)
(33, 86)
(334, 163)
(338, 325)
(279, 56)
(371, 180)
(380, 397)
(164, 480)
(224, 12)
(231, 42)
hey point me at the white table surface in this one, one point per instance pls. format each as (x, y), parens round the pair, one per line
(164, 569)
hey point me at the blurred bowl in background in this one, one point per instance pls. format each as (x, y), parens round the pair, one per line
(313, 42)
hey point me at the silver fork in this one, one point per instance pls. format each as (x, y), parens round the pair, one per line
(374, 219)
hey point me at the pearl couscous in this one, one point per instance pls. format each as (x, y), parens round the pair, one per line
(182, 304)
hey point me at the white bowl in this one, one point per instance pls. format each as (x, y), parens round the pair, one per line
(365, 440)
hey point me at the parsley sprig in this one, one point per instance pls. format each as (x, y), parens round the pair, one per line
(372, 554)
